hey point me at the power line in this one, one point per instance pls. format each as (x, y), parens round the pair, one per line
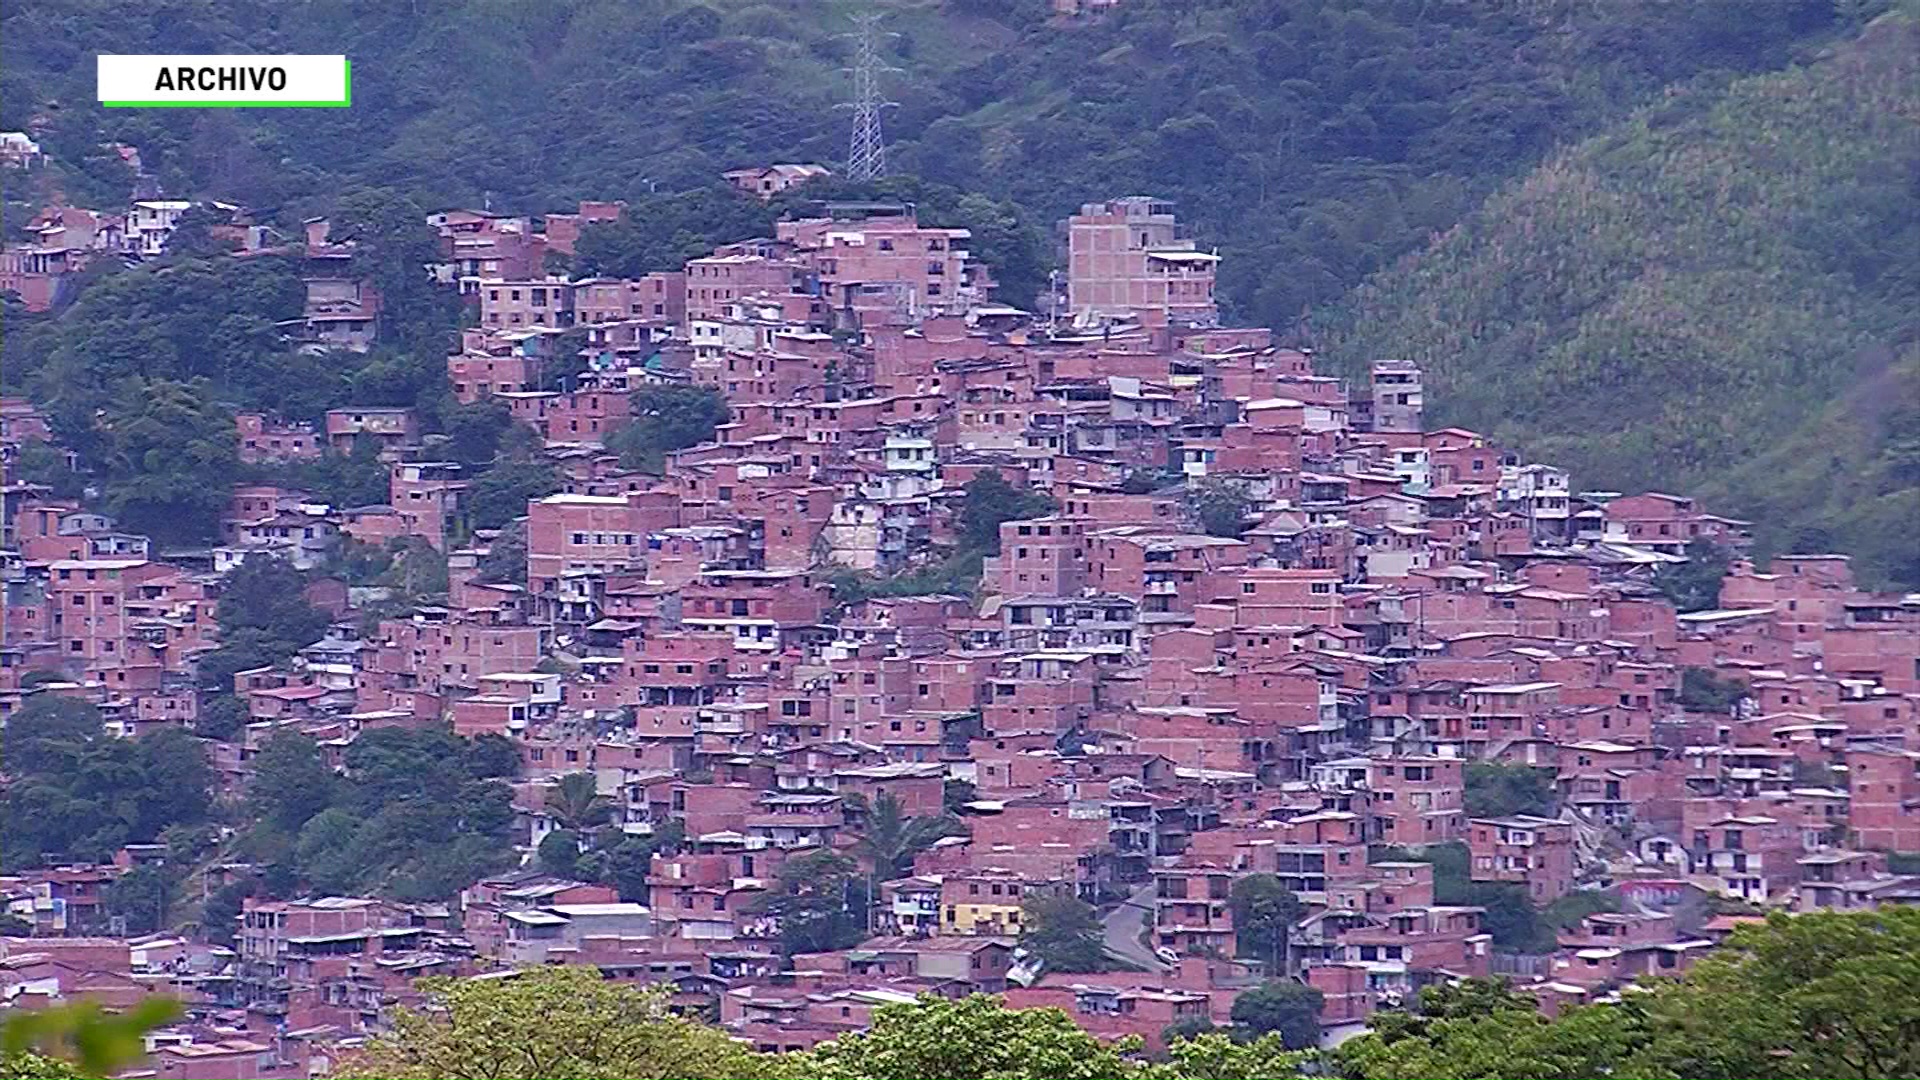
(867, 150)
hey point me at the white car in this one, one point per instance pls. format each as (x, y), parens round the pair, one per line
(1167, 956)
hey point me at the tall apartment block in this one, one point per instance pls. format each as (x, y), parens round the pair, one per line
(1129, 258)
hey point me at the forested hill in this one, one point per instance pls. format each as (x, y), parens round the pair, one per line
(1313, 141)
(1679, 300)
(1720, 295)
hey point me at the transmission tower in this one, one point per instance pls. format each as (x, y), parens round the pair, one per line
(867, 153)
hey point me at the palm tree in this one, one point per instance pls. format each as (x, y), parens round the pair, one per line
(575, 802)
(890, 839)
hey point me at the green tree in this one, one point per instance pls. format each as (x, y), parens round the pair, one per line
(548, 1022)
(973, 1038)
(1063, 931)
(80, 1039)
(1821, 994)
(474, 433)
(501, 493)
(1703, 691)
(626, 862)
(76, 794)
(559, 853)
(956, 794)
(1287, 1009)
(1580, 1043)
(357, 562)
(1188, 1028)
(889, 838)
(1695, 584)
(353, 479)
(1471, 997)
(1511, 917)
(506, 559)
(269, 596)
(492, 756)
(665, 419)
(43, 463)
(418, 569)
(27, 1065)
(820, 902)
(221, 717)
(290, 783)
(178, 780)
(1213, 1055)
(990, 503)
(48, 733)
(662, 231)
(956, 575)
(1264, 912)
(171, 459)
(418, 815)
(220, 915)
(392, 246)
(326, 852)
(1496, 790)
(264, 619)
(192, 236)
(142, 896)
(575, 802)
(1464, 999)
(1221, 506)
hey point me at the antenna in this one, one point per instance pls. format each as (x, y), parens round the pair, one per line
(867, 151)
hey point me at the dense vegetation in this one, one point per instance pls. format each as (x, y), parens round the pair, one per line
(75, 793)
(1814, 995)
(1823, 994)
(1496, 790)
(990, 503)
(1718, 295)
(1730, 240)
(418, 814)
(1515, 921)
(1313, 141)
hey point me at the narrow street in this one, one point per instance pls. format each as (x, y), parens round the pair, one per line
(1123, 925)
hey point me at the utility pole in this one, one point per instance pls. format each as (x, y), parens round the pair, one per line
(867, 149)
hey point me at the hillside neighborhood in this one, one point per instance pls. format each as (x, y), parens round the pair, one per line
(889, 636)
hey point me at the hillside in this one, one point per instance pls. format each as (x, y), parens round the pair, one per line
(1720, 295)
(1314, 141)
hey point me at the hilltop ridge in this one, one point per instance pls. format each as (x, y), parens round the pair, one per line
(1717, 295)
